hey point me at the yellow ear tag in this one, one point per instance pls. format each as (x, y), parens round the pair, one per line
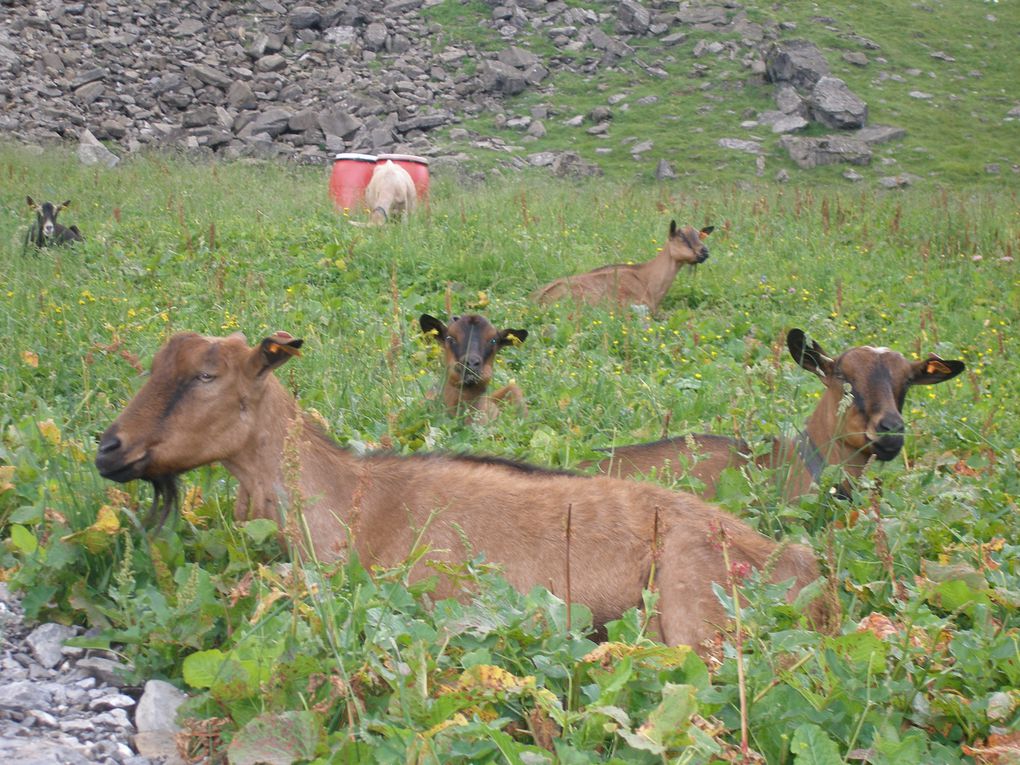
(935, 367)
(273, 348)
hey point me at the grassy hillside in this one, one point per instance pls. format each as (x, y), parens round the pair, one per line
(951, 136)
(375, 672)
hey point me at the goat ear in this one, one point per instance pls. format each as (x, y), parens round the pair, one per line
(812, 357)
(703, 234)
(672, 229)
(31, 202)
(512, 337)
(934, 370)
(433, 327)
(274, 351)
(64, 205)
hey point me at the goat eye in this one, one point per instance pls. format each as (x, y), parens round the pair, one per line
(205, 377)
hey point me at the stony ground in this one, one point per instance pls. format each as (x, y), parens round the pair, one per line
(64, 706)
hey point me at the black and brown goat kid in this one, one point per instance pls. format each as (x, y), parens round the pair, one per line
(46, 232)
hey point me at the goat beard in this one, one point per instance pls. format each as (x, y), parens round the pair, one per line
(165, 500)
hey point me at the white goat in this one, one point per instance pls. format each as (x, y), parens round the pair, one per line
(391, 190)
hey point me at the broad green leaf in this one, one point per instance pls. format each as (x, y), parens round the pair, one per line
(260, 529)
(279, 738)
(811, 746)
(202, 668)
(666, 726)
(23, 539)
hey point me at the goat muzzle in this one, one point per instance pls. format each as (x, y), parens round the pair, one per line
(888, 439)
(113, 461)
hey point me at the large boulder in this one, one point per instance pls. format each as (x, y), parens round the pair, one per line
(812, 151)
(833, 104)
(797, 62)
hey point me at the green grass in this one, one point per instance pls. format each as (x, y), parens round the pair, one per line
(224, 247)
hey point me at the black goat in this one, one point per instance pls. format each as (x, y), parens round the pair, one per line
(46, 232)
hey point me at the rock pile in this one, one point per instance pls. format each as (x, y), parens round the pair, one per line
(59, 706)
(305, 79)
(298, 78)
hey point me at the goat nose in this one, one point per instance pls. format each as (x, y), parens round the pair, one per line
(890, 423)
(110, 442)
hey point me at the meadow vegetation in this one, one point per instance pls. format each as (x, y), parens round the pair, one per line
(360, 666)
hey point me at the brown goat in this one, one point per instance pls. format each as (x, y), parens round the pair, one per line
(471, 344)
(216, 400)
(643, 283)
(858, 416)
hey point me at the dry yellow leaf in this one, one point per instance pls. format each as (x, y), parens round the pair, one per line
(50, 431)
(6, 474)
(31, 358)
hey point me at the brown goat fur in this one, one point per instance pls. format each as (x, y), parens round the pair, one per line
(390, 191)
(216, 400)
(859, 416)
(641, 284)
(470, 344)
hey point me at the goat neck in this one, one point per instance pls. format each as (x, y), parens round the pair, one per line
(290, 453)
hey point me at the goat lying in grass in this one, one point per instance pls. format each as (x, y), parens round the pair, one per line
(859, 416)
(471, 344)
(212, 399)
(641, 284)
(391, 191)
(46, 232)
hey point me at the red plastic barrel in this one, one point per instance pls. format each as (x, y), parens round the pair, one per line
(351, 174)
(417, 168)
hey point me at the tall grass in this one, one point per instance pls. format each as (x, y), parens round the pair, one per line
(218, 248)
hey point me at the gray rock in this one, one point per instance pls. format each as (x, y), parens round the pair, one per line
(664, 171)
(811, 151)
(37, 752)
(90, 93)
(375, 36)
(157, 708)
(788, 100)
(518, 58)
(705, 16)
(834, 105)
(92, 152)
(901, 181)
(339, 122)
(876, 134)
(569, 164)
(90, 75)
(104, 670)
(537, 129)
(24, 695)
(797, 62)
(188, 28)
(274, 62)
(855, 58)
(633, 17)
(47, 643)
(789, 123)
(240, 96)
(739, 144)
(272, 121)
(200, 115)
(542, 158)
(502, 78)
(210, 76)
(305, 17)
